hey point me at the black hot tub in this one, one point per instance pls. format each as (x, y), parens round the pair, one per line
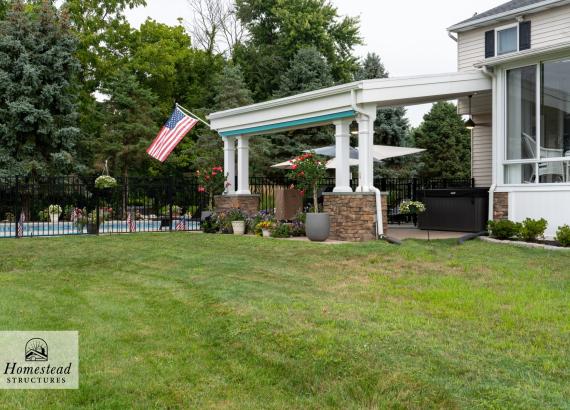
(461, 210)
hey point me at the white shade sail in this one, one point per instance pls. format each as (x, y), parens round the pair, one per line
(331, 164)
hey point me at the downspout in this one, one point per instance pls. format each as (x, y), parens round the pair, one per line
(485, 70)
(379, 219)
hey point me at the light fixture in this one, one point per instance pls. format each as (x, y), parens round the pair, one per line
(353, 128)
(470, 124)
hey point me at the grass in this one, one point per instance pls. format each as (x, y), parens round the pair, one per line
(200, 321)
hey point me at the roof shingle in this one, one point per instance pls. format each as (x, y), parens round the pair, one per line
(503, 8)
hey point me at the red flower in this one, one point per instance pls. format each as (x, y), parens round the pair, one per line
(214, 174)
(201, 189)
(294, 166)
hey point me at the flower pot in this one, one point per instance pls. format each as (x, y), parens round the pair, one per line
(54, 218)
(318, 227)
(238, 227)
(266, 233)
(92, 229)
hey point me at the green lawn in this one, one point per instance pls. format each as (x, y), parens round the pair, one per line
(200, 321)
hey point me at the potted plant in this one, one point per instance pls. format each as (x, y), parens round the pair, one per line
(307, 171)
(413, 208)
(265, 227)
(78, 218)
(91, 221)
(54, 212)
(211, 182)
(237, 219)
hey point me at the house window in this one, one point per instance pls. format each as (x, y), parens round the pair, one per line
(538, 146)
(508, 40)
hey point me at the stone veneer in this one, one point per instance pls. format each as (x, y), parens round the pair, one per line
(353, 215)
(249, 204)
(500, 205)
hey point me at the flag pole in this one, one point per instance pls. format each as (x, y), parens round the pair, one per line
(187, 111)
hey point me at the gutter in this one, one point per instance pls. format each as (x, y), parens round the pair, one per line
(485, 70)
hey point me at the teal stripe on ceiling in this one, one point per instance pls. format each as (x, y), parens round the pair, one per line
(289, 124)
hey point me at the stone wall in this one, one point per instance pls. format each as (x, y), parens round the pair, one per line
(249, 204)
(353, 215)
(500, 205)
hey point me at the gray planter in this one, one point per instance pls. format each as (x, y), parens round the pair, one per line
(318, 227)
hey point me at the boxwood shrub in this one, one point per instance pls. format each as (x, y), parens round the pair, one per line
(532, 229)
(563, 235)
(504, 229)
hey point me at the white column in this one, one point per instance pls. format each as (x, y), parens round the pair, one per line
(365, 143)
(243, 166)
(230, 163)
(342, 156)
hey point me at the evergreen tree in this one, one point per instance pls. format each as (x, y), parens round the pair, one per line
(230, 89)
(447, 141)
(131, 119)
(309, 71)
(371, 67)
(38, 113)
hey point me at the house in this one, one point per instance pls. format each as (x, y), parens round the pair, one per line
(513, 78)
(521, 149)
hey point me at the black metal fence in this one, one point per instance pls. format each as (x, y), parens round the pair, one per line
(73, 206)
(398, 190)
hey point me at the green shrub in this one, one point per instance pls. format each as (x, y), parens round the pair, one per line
(532, 229)
(281, 231)
(165, 211)
(9, 217)
(43, 215)
(211, 225)
(563, 235)
(504, 229)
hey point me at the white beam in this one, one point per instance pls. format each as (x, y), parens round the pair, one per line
(230, 164)
(243, 166)
(342, 156)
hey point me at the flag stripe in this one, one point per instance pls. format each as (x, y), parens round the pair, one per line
(157, 140)
(168, 138)
(171, 134)
(169, 145)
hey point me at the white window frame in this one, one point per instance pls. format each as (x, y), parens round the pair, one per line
(536, 161)
(503, 28)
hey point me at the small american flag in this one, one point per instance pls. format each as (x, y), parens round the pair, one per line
(171, 134)
(181, 225)
(131, 223)
(20, 232)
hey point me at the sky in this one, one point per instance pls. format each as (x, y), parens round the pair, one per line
(409, 35)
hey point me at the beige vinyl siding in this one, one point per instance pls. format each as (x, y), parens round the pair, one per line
(549, 28)
(482, 156)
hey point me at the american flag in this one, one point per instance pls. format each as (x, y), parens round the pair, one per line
(21, 224)
(131, 223)
(181, 225)
(171, 134)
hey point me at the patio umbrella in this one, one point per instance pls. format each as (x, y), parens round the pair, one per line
(379, 152)
(331, 164)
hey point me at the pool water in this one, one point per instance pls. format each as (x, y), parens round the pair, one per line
(8, 230)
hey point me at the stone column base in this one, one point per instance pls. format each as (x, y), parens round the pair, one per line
(249, 204)
(353, 215)
(500, 206)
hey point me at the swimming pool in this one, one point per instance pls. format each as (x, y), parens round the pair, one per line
(8, 230)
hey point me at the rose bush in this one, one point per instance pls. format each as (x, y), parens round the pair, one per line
(307, 171)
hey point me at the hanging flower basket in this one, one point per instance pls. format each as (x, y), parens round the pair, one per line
(105, 182)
